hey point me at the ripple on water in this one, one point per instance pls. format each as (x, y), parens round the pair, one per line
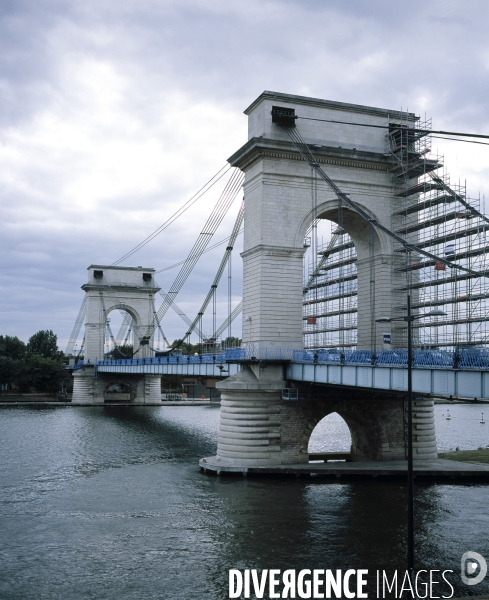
(109, 503)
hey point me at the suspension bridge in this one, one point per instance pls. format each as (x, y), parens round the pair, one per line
(324, 324)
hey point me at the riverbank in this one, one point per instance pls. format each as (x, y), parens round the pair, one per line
(438, 400)
(480, 455)
(36, 400)
(119, 400)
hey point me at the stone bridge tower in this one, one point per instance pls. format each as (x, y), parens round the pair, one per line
(128, 289)
(349, 143)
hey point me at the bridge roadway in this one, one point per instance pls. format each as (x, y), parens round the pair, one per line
(463, 374)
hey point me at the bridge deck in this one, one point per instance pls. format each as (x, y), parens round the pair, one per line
(433, 381)
(188, 369)
(463, 374)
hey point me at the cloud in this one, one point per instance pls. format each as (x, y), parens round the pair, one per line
(116, 112)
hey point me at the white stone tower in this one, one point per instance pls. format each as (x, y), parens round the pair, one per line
(349, 142)
(129, 289)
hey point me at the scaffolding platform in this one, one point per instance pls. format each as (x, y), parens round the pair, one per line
(431, 214)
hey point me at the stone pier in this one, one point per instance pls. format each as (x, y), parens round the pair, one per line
(89, 388)
(258, 427)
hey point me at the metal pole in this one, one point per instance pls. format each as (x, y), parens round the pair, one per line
(410, 499)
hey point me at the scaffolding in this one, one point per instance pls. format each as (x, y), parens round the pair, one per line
(438, 216)
(431, 213)
(330, 294)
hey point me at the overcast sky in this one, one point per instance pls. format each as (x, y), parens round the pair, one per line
(114, 112)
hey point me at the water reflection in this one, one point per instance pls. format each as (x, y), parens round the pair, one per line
(109, 503)
(299, 525)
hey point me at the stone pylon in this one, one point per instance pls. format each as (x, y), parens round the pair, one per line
(127, 289)
(257, 427)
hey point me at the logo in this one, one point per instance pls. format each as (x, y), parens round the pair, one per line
(471, 563)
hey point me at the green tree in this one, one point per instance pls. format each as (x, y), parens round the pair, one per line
(231, 342)
(44, 343)
(12, 347)
(171, 383)
(183, 346)
(9, 369)
(125, 351)
(194, 349)
(44, 374)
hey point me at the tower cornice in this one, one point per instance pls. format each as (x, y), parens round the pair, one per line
(261, 147)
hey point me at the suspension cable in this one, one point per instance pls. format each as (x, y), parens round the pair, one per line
(218, 213)
(106, 321)
(407, 129)
(234, 314)
(160, 330)
(205, 251)
(458, 197)
(82, 348)
(307, 155)
(77, 326)
(334, 238)
(124, 328)
(217, 278)
(177, 214)
(180, 313)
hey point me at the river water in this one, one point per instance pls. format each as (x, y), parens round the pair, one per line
(109, 503)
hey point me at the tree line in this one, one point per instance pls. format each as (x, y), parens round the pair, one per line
(35, 366)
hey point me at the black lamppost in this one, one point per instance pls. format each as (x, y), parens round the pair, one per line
(409, 318)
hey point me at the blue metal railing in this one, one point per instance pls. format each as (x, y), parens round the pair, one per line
(167, 360)
(477, 358)
(259, 353)
(466, 359)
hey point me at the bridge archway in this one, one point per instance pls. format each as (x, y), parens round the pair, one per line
(331, 434)
(127, 309)
(130, 289)
(125, 327)
(358, 229)
(368, 436)
(372, 264)
(116, 389)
